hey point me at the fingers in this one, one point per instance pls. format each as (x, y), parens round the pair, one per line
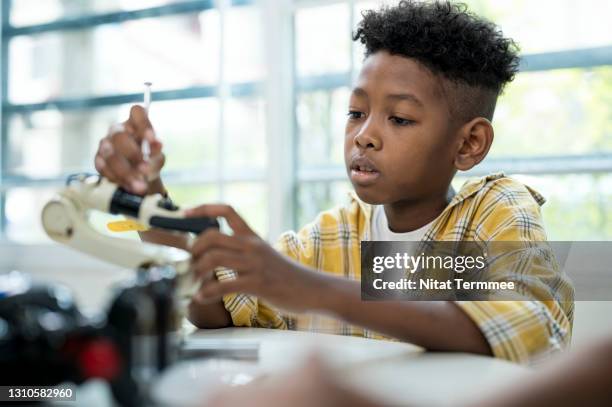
(105, 150)
(125, 174)
(103, 169)
(139, 120)
(119, 157)
(126, 146)
(156, 147)
(118, 160)
(212, 259)
(153, 167)
(234, 220)
(218, 289)
(212, 238)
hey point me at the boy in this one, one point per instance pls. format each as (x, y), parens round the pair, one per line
(420, 110)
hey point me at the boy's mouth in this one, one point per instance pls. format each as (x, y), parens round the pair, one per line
(363, 171)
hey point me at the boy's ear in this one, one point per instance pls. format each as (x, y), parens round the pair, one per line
(475, 139)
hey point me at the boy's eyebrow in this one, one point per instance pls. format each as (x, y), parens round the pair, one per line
(405, 96)
(357, 91)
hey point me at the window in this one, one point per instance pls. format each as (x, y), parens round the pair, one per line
(75, 67)
(236, 130)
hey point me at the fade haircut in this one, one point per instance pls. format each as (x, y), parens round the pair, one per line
(471, 53)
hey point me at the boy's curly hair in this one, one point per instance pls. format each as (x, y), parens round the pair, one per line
(447, 39)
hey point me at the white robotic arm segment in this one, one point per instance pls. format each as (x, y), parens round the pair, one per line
(65, 219)
(68, 225)
(90, 192)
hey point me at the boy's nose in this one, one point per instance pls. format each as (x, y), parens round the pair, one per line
(368, 136)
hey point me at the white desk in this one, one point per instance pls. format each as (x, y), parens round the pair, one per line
(395, 372)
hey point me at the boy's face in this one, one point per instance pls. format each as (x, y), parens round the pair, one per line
(399, 143)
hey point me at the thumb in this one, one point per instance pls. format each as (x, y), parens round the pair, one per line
(139, 121)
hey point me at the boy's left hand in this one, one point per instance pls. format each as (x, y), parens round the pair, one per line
(260, 269)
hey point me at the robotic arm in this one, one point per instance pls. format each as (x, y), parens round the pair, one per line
(65, 220)
(45, 340)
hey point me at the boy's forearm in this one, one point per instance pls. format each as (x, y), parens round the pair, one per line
(206, 315)
(434, 325)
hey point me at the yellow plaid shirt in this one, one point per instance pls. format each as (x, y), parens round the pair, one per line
(493, 208)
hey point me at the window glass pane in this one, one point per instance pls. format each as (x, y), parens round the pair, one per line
(172, 52)
(250, 201)
(578, 206)
(321, 119)
(314, 197)
(23, 213)
(243, 40)
(188, 130)
(193, 195)
(567, 24)
(29, 12)
(23, 207)
(322, 39)
(555, 112)
(245, 137)
(51, 143)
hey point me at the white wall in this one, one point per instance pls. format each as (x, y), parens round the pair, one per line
(592, 319)
(90, 279)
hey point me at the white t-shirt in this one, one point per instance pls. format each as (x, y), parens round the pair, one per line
(381, 231)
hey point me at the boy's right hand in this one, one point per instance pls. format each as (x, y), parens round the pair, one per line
(119, 157)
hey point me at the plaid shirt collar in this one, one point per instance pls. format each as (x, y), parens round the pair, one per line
(469, 189)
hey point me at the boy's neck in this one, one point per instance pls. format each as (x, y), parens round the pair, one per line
(406, 216)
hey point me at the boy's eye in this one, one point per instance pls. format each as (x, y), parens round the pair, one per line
(401, 122)
(354, 114)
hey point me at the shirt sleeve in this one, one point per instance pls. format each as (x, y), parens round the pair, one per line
(247, 310)
(523, 331)
(520, 331)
